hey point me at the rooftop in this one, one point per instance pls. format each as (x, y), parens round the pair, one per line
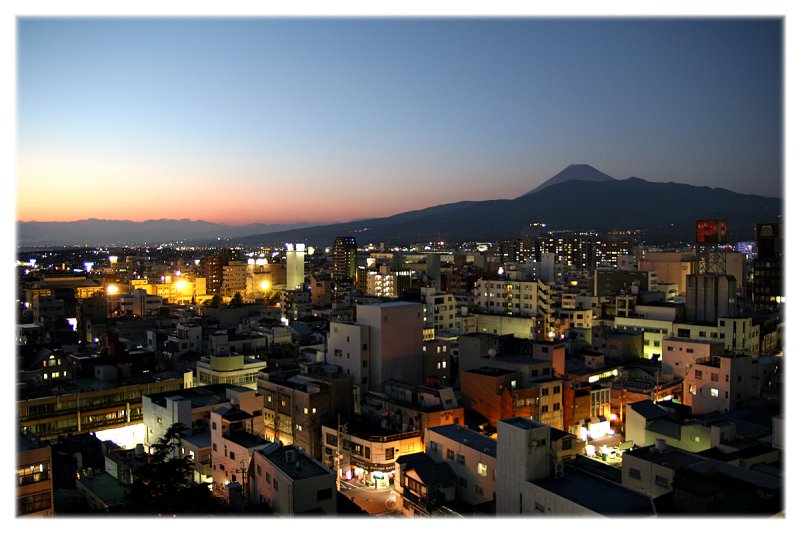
(490, 371)
(471, 439)
(598, 495)
(524, 423)
(430, 472)
(671, 457)
(303, 466)
(199, 396)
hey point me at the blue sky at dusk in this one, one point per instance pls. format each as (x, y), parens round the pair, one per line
(282, 120)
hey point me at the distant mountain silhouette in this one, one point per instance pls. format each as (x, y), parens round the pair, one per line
(575, 171)
(93, 231)
(665, 211)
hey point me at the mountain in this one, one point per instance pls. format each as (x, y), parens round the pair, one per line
(665, 211)
(578, 172)
(93, 231)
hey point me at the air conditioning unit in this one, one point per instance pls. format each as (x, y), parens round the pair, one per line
(558, 471)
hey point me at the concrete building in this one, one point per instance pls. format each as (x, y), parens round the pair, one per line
(525, 486)
(439, 309)
(229, 369)
(190, 407)
(718, 384)
(471, 456)
(508, 297)
(235, 436)
(385, 342)
(768, 286)
(670, 267)
(295, 402)
(679, 354)
(709, 297)
(139, 303)
(295, 265)
(34, 478)
(291, 482)
(344, 258)
(611, 282)
(366, 452)
(234, 279)
(496, 393)
(295, 304)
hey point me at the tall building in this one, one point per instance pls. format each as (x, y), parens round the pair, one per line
(344, 258)
(768, 267)
(385, 342)
(212, 268)
(295, 268)
(709, 297)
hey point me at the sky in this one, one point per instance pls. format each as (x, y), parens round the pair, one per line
(281, 120)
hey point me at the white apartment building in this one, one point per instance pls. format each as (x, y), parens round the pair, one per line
(507, 297)
(439, 308)
(235, 436)
(471, 456)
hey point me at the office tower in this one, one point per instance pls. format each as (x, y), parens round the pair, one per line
(344, 259)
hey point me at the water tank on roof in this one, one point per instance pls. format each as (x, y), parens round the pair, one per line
(661, 445)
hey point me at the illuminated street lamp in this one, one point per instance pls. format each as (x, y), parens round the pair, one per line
(264, 287)
(112, 289)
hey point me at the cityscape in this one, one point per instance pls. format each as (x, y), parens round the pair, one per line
(374, 268)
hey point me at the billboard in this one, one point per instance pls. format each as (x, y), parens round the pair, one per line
(712, 232)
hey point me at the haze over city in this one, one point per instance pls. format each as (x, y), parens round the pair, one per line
(285, 120)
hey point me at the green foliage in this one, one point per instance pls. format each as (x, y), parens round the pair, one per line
(236, 301)
(164, 486)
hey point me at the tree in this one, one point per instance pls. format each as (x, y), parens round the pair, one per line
(214, 301)
(164, 485)
(236, 301)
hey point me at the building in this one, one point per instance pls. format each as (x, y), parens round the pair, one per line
(235, 436)
(34, 478)
(670, 267)
(385, 342)
(295, 304)
(344, 258)
(139, 303)
(709, 297)
(234, 278)
(611, 282)
(295, 265)
(497, 393)
(509, 297)
(768, 287)
(229, 369)
(112, 405)
(296, 401)
(211, 269)
(526, 487)
(291, 482)
(471, 456)
(190, 407)
(719, 383)
(424, 484)
(439, 309)
(364, 451)
(679, 354)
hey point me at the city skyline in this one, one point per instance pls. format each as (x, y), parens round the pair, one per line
(340, 119)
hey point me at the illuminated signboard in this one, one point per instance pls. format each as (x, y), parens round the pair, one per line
(712, 232)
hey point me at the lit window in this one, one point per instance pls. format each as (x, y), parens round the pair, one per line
(715, 393)
(483, 470)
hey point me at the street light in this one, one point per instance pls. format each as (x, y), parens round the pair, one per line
(264, 287)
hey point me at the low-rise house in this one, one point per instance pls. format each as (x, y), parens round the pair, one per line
(292, 482)
(424, 484)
